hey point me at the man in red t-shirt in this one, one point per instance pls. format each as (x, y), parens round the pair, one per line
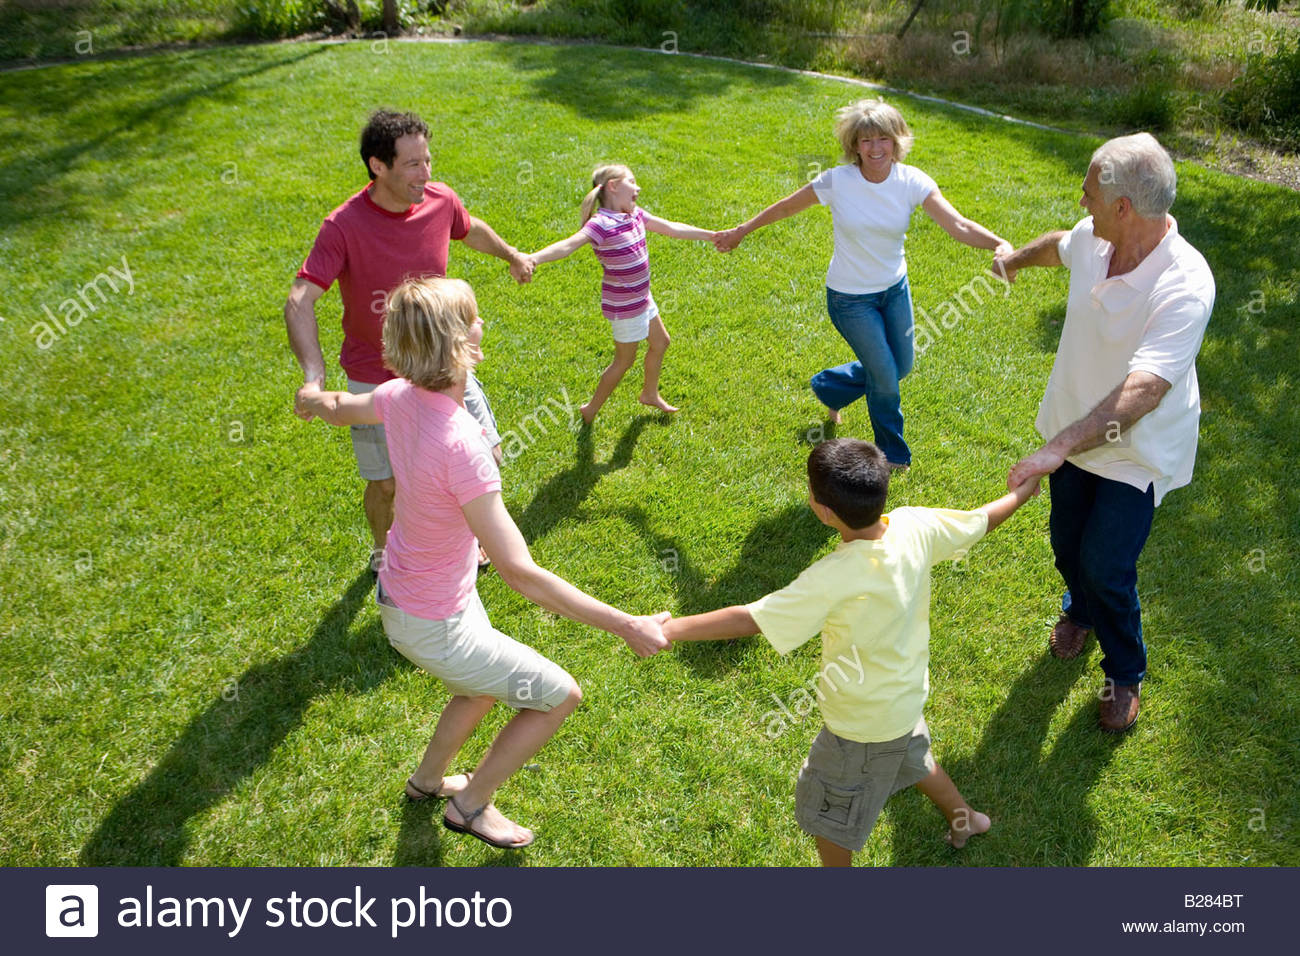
(398, 227)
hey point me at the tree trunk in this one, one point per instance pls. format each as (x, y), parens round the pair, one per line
(390, 17)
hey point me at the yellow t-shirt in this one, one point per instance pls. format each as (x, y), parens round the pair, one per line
(870, 600)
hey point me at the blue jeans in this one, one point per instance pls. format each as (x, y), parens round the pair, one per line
(878, 327)
(1098, 528)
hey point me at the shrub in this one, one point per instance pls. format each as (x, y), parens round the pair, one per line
(1058, 18)
(1149, 106)
(272, 19)
(1265, 99)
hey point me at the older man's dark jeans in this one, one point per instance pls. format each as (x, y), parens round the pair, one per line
(1098, 528)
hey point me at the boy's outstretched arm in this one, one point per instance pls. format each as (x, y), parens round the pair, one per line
(720, 625)
(1002, 509)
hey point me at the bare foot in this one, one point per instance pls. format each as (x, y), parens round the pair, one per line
(959, 833)
(492, 824)
(657, 401)
(446, 787)
(834, 417)
(587, 413)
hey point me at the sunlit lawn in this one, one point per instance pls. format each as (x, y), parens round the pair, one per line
(192, 670)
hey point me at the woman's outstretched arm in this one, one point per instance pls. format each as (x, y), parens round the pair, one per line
(795, 203)
(964, 230)
(501, 539)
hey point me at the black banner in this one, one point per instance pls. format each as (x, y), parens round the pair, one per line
(325, 911)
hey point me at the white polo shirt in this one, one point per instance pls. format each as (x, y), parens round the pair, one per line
(1151, 319)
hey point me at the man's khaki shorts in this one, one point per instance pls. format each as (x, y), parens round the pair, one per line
(843, 784)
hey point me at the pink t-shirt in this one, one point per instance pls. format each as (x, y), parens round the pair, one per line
(441, 461)
(370, 251)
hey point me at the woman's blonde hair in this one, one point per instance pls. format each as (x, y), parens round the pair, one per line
(426, 331)
(867, 118)
(599, 177)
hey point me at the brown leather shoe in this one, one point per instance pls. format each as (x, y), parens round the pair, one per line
(1119, 706)
(1067, 639)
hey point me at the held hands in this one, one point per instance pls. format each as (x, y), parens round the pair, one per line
(304, 398)
(728, 239)
(521, 268)
(646, 635)
(1000, 268)
(1042, 462)
(1029, 488)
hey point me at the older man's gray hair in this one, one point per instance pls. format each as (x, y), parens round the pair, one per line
(1138, 167)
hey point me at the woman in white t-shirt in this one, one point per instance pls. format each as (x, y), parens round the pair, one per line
(871, 198)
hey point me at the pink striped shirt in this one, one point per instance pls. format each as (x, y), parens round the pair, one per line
(618, 239)
(441, 461)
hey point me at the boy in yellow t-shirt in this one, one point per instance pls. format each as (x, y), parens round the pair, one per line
(870, 600)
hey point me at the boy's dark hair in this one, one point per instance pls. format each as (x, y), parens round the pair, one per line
(851, 477)
(379, 138)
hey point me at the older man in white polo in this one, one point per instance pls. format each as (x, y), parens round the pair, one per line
(1122, 409)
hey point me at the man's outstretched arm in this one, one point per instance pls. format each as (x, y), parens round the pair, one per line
(482, 238)
(1043, 251)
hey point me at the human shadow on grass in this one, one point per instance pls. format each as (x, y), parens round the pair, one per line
(1218, 600)
(233, 737)
(1219, 557)
(1221, 629)
(604, 84)
(1051, 319)
(423, 841)
(134, 103)
(1038, 804)
(775, 551)
(562, 495)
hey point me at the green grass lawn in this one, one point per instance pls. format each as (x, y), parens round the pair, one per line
(192, 670)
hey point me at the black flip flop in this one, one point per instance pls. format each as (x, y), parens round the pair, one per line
(468, 827)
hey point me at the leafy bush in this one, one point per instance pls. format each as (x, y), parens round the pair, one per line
(1265, 99)
(1150, 106)
(272, 19)
(1058, 18)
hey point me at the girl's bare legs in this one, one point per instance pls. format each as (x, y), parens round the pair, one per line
(963, 822)
(522, 737)
(656, 347)
(624, 356)
(458, 720)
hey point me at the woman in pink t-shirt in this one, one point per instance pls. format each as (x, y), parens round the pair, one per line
(448, 501)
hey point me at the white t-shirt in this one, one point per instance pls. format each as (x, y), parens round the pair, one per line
(1150, 319)
(870, 221)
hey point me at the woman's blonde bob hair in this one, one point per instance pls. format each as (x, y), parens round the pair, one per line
(868, 118)
(426, 332)
(599, 177)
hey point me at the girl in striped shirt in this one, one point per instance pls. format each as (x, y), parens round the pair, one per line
(615, 227)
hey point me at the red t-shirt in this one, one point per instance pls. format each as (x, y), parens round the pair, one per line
(370, 251)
